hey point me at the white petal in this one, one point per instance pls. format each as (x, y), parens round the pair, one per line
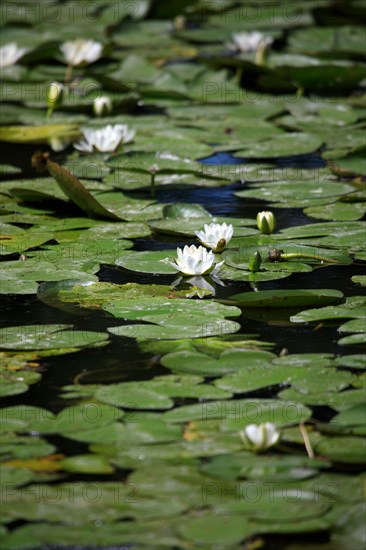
(254, 434)
(272, 434)
(84, 146)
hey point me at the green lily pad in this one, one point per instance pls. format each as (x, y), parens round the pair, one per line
(13, 477)
(33, 270)
(359, 279)
(353, 308)
(338, 229)
(262, 468)
(349, 450)
(285, 298)
(293, 194)
(337, 211)
(357, 361)
(304, 379)
(14, 383)
(292, 253)
(23, 242)
(352, 418)
(208, 530)
(180, 330)
(352, 339)
(157, 393)
(240, 412)
(352, 165)
(278, 509)
(232, 274)
(86, 464)
(19, 447)
(82, 253)
(169, 312)
(229, 361)
(167, 162)
(333, 41)
(354, 325)
(37, 134)
(138, 428)
(29, 337)
(318, 360)
(14, 286)
(116, 297)
(282, 146)
(116, 231)
(348, 528)
(338, 401)
(149, 262)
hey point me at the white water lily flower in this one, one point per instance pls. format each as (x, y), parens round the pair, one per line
(260, 437)
(247, 42)
(81, 51)
(10, 54)
(193, 260)
(104, 139)
(215, 235)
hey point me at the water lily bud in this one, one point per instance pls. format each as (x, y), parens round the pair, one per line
(266, 222)
(55, 94)
(260, 437)
(102, 105)
(59, 144)
(179, 22)
(255, 262)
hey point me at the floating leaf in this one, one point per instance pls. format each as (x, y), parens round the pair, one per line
(304, 379)
(38, 134)
(353, 308)
(285, 298)
(29, 337)
(350, 450)
(293, 194)
(156, 262)
(239, 412)
(180, 330)
(73, 189)
(229, 361)
(86, 464)
(281, 146)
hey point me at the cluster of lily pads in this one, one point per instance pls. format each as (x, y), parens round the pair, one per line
(113, 140)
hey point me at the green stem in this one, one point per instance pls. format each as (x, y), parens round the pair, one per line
(68, 74)
(296, 255)
(152, 186)
(238, 75)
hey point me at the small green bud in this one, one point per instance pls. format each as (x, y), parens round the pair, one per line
(255, 261)
(266, 222)
(55, 94)
(102, 105)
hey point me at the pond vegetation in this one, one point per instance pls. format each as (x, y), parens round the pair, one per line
(183, 251)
